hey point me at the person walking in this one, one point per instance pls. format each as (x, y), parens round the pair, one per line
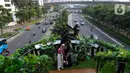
(60, 57)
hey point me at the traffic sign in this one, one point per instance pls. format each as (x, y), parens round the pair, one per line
(120, 9)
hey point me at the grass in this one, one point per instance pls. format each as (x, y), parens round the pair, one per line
(82, 64)
(112, 33)
(7, 34)
(34, 21)
(17, 29)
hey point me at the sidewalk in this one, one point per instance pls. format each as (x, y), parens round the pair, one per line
(74, 71)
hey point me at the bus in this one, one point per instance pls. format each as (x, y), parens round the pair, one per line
(3, 47)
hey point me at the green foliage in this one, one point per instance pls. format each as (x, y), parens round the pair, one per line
(109, 67)
(61, 23)
(105, 15)
(26, 64)
(5, 35)
(28, 10)
(5, 17)
(127, 68)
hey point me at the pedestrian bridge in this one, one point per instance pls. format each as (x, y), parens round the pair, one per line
(87, 2)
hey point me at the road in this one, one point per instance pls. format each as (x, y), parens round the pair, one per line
(86, 29)
(24, 38)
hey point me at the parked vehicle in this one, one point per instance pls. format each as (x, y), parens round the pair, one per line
(3, 47)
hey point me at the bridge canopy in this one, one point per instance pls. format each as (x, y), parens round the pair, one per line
(89, 2)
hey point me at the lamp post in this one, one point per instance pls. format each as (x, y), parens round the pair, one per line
(1, 16)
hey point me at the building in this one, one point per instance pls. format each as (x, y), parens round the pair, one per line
(7, 4)
(40, 2)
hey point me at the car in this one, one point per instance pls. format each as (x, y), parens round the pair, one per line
(27, 28)
(46, 22)
(77, 23)
(81, 20)
(94, 36)
(37, 23)
(75, 20)
(51, 22)
(82, 23)
(43, 30)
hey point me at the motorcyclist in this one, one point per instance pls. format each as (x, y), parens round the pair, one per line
(34, 33)
(29, 41)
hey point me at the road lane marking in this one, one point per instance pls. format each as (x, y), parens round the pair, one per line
(19, 43)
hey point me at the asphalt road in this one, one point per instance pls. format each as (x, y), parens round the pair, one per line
(24, 38)
(86, 29)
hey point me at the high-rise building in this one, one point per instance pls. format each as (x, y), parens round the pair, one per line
(8, 5)
(40, 2)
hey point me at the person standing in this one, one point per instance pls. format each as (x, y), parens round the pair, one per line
(60, 57)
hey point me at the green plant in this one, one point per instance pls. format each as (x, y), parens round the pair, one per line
(44, 62)
(5, 35)
(108, 67)
(127, 67)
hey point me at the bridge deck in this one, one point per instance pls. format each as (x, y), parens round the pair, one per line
(89, 2)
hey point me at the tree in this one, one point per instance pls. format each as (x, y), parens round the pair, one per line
(22, 15)
(5, 17)
(105, 15)
(32, 13)
(38, 11)
(61, 23)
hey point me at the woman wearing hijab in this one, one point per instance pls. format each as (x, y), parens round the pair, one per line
(60, 57)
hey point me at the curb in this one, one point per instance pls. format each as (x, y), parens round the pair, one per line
(13, 37)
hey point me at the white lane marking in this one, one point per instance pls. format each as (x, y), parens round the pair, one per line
(104, 33)
(19, 43)
(22, 41)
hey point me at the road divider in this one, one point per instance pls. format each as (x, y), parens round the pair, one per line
(48, 32)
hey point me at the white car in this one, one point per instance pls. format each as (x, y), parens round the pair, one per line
(81, 20)
(44, 30)
(82, 23)
(75, 20)
(94, 37)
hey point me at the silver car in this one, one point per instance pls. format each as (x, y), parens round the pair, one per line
(82, 23)
(43, 30)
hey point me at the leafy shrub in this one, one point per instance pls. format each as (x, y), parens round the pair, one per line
(5, 35)
(127, 68)
(109, 67)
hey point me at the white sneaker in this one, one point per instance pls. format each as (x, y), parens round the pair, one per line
(58, 69)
